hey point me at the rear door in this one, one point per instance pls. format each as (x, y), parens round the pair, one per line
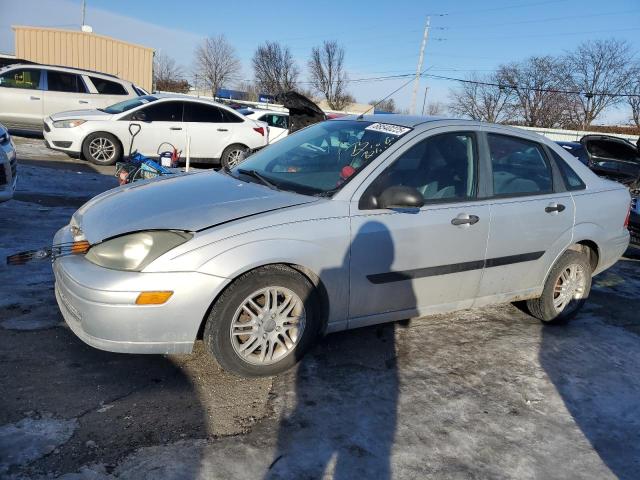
(65, 91)
(159, 122)
(208, 130)
(21, 98)
(531, 217)
(410, 262)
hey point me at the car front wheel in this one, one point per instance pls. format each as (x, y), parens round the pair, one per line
(102, 148)
(566, 289)
(264, 322)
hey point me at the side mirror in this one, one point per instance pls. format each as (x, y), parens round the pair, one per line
(139, 117)
(400, 197)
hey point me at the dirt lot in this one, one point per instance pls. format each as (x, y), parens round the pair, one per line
(487, 393)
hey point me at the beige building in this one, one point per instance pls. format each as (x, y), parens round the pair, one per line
(89, 51)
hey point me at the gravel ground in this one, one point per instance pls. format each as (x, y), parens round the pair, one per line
(485, 393)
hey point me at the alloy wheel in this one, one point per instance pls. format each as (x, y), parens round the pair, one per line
(102, 149)
(267, 325)
(570, 285)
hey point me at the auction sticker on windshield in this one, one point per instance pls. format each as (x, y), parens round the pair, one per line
(388, 128)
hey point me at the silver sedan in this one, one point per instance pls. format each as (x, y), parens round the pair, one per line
(347, 223)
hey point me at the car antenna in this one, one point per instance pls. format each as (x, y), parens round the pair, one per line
(361, 116)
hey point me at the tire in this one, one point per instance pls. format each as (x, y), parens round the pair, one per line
(102, 148)
(229, 157)
(546, 307)
(248, 355)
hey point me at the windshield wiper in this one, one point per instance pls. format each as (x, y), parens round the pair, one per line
(257, 175)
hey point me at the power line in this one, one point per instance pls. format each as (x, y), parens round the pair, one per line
(504, 86)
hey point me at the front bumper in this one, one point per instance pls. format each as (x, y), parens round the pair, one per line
(99, 306)
(63, 139)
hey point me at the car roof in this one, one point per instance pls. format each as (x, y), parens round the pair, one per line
(189, 98)
(65, 69)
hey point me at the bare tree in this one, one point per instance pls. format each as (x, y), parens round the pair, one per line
(326, 67)
(216, 63)
(633, 92)
(479, 101)
(274, 69)
(388, 105)
(435, 109)
(167, 75)
(599, 69)
(537, 99)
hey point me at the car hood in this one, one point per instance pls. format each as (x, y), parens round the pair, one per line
(81, 114)
(188, 202)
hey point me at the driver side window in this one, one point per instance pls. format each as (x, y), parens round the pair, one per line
(442, 168)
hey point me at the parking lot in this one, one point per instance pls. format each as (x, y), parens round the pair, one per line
(485, 393)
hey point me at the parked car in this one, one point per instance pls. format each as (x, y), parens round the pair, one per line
(278, 122)
(29, 93)
(8, 165)
(347, 223)
(217, 133)
(617, 159)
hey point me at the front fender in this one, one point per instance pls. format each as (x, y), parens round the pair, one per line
(329, 262)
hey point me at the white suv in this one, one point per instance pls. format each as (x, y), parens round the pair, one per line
(29, 93)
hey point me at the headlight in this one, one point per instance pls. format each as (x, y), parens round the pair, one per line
(68, 123)
(135, 251)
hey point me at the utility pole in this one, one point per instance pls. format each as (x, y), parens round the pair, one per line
(84, 8)
(425, 37)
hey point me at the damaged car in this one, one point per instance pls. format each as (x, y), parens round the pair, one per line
(616, 159)
(347, 223)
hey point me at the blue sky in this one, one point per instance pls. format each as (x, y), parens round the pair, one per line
(380, 37)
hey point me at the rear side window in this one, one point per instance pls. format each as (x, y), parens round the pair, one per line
(201, 113)
(27, 78)
(520, 166)
(107, 87)
(164, 112)
(65, 82)
(571, 178)
(229, 117)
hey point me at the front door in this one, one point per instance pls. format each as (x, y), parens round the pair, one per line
(159, 122)
(21, 98)
(531, 220)
(405, 262)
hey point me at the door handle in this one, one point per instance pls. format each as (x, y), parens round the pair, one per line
(464, 219)
(175, 128)
(82, 101)
(554, 207)
(34, 98)
(223, 129)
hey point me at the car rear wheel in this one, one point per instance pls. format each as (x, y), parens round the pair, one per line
(233, 155)
(264, 322)
(102, 148)
(566, 289)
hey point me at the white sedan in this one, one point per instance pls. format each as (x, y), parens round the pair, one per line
(278, 122)
(217, 134)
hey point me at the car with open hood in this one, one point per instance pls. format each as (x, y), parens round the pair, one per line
(346, 223)
(617, 159)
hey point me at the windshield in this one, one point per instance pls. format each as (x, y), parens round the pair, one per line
(128, 104)
(320, 159)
